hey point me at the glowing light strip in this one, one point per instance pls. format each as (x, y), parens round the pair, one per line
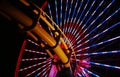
(99, 53)
(65, 19)
(61, 13)
(50, 11)
(31, 59)
(74, 11)
(79, 75)
(83, 11)
(56, 12)
(49, 8)
(69, 36)
(100, 43)
(89, 18)
(92, 14)
(104, 21)
(84, 18)
(77, 36)
(100, 14)
(92, 73)
(99, 25)
(88, 11)
(71, 41)
(45, 72)
(116, 24)
(22, 69)
(46, 75)
(105, 65)
(72, 35)
(48, 67)
(36, 70)
(35, 52)
(84, 73)
(32, 42)
(78, 11)
(69, 12)
(66, 11)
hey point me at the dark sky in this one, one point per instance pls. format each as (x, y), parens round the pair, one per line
(10, 41)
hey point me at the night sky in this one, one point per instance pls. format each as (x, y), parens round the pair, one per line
(10, 41)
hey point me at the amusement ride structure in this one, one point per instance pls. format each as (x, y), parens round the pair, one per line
(66, 38)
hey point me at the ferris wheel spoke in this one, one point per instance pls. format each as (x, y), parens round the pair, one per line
(99, 53)
(44, 71)
(33, 59)
(37, 52)
(100, 33)
(100, 14)
(32, 66)
(99, 25)
(105, 65)
(29, 74)
(92, 73)
(100, 43)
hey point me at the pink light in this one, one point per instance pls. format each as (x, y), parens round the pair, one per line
(53, 71)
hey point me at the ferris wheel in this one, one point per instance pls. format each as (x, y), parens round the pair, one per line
(88, 33)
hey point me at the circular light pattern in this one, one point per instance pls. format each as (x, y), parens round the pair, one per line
(93, 29)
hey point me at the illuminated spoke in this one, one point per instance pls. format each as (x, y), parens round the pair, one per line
(32, 51)
(92, 73)
(100, 43)
(97, 35)
(99, 53)
(26, 68)
(105, 65)
(37, 70)
(33, 59)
